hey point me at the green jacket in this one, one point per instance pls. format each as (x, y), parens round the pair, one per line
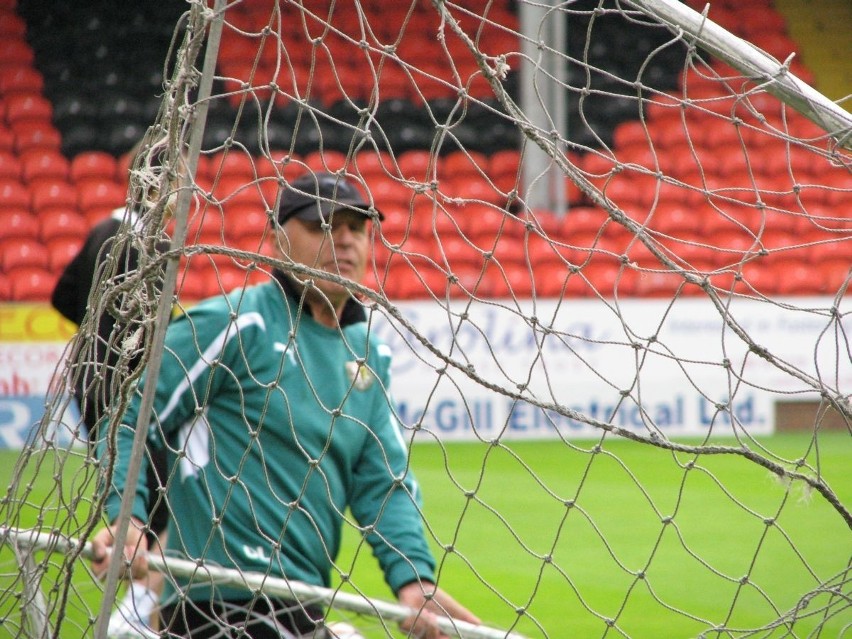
(273, 430)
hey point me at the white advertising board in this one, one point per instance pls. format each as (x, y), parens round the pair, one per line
(673, 368)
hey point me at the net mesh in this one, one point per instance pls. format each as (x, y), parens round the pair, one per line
(591, 229)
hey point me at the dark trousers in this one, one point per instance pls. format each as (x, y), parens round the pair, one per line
(260, 618)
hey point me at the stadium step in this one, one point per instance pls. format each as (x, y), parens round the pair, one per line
(824, 39)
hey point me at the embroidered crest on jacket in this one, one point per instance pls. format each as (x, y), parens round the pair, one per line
(360, 376)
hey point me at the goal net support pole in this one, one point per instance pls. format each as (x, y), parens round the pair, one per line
(181, 83)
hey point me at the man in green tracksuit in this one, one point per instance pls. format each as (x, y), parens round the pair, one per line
(274, 405)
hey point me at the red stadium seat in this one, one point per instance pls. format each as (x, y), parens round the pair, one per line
(761, 279)
(605, 276)
(638, 253)
(797, 277)
(13, 195)
(729, 248)
(731, 163)
(233, 163)
(328, 160)
(123, 164)
(267, 188)
(431, 80)
(597, 168)
(573, 193)
(416, 164)
(93, 164)
(657, 283)
(5, 288)
(17, 253)
(504, 166)
(782, 246)
(834, 273)
(54, 195)
(730, 218)
(472, 188)
(468, 280)
(825, 218)
(232, 277)
(16, 51)
(541, 251)
(62, 223)
(10, 166)
(779, 46)
(190, 286)
(20, 79)
(413, 249)
(18, 223)
(582, 219)
(550, 278)
(510, 249)
(456, 252)
(33, 135)
(7, 137)
(515, 281)
(488, 223)
(443, 222)
(760, 20)
(101, 196)
(674, 219)
(27, 107)
(540, 221)
(395, 225)
(687, 249)
(12, 26)
(416, 281)
(95, 215)
(629, 134)
(682, 162)
(46, 164)
(390, 196)
(233, 192)
(62, 250)
(839, 183)
(281, 164)
(827, 246)
(31, 284)
(371, 164)
(260, 246)
(244, 221)
(205, 227)
(461, 165)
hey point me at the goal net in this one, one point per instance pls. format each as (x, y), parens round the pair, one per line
(612, 272)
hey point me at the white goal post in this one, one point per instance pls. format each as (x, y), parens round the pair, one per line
(770, 75)
(27, 542)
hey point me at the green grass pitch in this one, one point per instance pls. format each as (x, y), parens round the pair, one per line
(567, 540)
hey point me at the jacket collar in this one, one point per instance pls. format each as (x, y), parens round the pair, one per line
(353, 312)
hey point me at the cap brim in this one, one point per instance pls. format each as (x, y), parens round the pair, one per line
(313, 210)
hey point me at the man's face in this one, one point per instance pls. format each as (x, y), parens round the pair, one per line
(340, 246)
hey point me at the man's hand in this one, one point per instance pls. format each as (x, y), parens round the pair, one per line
(430, 602)
(135, 551)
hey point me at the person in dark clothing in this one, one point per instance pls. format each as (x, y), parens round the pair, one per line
(71, 298)
(110, 253)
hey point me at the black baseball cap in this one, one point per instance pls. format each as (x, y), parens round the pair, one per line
(314, 196)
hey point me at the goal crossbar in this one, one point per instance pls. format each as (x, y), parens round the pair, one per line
(774, 77)
(26, 541)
